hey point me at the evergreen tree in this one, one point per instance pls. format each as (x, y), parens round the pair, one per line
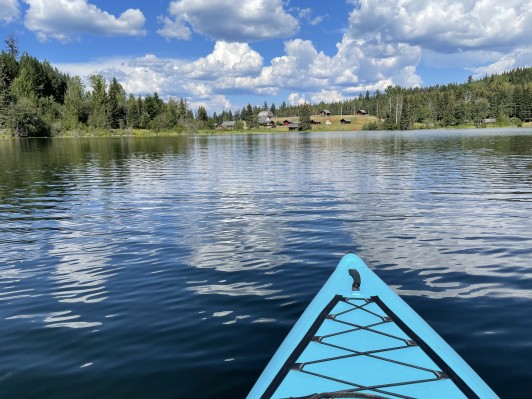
(116, 110)
(133, 114)
(304, 118)
(151, 106)
(74, 107)
(98, 102)
(12, 46)
(251, 119)
(182, 109)
(202, 114)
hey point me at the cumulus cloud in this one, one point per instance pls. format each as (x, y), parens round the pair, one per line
(307, 15)
(296, 99)
(173, 29)
(327, 96)
(369, 56)
(509, 61)
(149, 74)
(233, 69)
(9, 10)
(228, 60)
(229, 20)
(355, 67)
(65, 20)
(447, 25)
(483, 36)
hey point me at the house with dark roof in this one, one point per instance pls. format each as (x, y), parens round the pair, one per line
(362, 112)
(226, 125)
(325, 112)
(345, 121)
(294, 126)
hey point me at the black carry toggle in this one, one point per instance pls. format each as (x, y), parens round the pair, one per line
(356, 279)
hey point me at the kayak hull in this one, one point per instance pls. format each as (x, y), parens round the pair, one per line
(357, 337)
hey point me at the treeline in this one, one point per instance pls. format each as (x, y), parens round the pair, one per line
(37, 99)
(504, 99)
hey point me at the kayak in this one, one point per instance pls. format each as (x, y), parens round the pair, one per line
(358, 339)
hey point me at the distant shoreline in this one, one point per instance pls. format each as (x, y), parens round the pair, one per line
(148, 133)
(357, 124)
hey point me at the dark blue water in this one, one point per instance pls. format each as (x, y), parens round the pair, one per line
(174, 267)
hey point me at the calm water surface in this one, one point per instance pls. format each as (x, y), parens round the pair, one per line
(174, 267)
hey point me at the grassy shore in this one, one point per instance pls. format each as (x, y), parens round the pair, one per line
(357, 123)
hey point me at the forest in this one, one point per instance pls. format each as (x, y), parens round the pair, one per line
(38, 100)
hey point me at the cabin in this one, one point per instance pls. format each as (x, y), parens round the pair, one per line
(325, 112)
(226, 125)
(345, 121)
(362, 112)
(286, 122)
(294, 126)
(489, 121)
(314, 122)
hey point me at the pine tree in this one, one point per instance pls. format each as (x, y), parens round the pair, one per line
(74, 110)
(251, 119)
(133, 114)
(98, 102)
(5, 97)
(201, 114)
(115, 105)
(304, 118)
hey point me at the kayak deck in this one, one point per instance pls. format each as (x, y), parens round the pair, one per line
(362, 334)
(359, 339)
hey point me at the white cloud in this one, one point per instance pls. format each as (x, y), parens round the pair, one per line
(234, 69)
(173, 29)
(142, 75)
(447, 25)
(296, 99)
(9, 10)
(227, 59)
(317, 20)
(356, 66)
(327, 96)
(483, 36)
(306, 14)
(149, 74)
(229, 20)
(369, 56)
(515, 59)
(65, 20)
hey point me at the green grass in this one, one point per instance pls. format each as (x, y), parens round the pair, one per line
(357, 122)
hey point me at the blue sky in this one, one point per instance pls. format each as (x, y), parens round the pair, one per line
(224, 54)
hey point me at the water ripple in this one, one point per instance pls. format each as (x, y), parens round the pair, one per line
(167, 266)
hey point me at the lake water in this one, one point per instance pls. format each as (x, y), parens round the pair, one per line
(174, 267)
